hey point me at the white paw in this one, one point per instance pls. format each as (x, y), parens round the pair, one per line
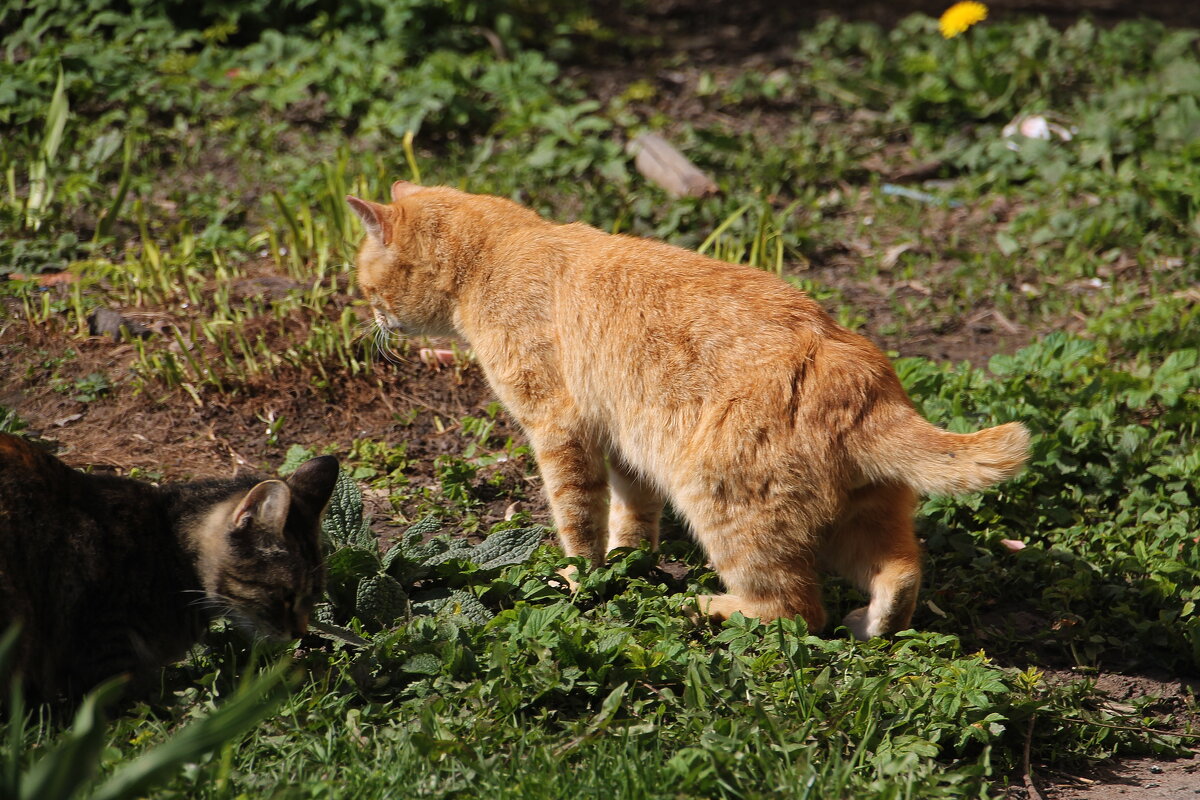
(694, 609)
(859, 624)
(568, 574)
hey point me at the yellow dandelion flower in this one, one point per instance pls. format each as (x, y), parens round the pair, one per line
(960, 16)
(141, 737)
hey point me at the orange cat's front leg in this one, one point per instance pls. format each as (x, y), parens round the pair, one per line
(573, 471)
(635, 510)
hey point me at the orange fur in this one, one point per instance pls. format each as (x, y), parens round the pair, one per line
(644, 373)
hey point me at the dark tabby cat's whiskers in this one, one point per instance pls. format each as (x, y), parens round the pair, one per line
(247, 627)
(218, 605)
(368, 329)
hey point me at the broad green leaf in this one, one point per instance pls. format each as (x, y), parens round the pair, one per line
(422, 664)
(511, 546)
(380, 600)
(343, 523)
(444, 602)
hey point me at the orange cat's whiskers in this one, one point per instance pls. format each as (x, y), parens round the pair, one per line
(364, 330)
(383, 343)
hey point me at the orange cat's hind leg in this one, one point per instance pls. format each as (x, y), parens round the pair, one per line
(722, 606)
(763, 582)
(873, 546)
(635, 508)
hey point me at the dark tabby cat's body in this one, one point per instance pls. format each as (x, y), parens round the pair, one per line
(110, 575)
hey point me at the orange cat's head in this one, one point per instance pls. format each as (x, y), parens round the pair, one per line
(422, 248)
(409, 261)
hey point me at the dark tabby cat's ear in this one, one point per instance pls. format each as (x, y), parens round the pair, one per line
(264, 508)
(314, 480)
(376, 219)
(402, 189)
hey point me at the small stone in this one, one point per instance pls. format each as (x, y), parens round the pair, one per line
(107, 322)
(268, 288)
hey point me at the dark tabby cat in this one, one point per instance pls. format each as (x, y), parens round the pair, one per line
(110, 575)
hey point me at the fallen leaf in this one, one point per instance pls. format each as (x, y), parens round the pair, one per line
(46, 278)
(917, 286)
(893, 253)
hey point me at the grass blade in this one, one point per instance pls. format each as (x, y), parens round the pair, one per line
(249, 706)
(411, 157)
(10, 762)
(56, 119)
(720, 229)
(104, 226)
(40, 191)
(59, 774)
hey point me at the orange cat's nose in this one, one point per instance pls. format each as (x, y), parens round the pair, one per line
(386, 320)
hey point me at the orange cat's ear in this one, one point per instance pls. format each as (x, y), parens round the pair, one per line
(376, 218)
(402, 189)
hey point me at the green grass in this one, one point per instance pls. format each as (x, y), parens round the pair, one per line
(162, 158)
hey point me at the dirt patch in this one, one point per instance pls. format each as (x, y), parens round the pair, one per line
(1144, 778)
(1173, 693)
(165, 434)
(1168, 701)
(973, 338)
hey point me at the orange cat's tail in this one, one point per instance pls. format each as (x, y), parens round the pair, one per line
(934, 461)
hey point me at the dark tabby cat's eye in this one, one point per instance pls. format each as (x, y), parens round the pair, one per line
(110, 575)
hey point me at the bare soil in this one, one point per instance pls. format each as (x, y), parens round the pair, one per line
(1151, 779)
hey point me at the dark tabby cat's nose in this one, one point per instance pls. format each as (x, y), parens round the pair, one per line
(299, 626)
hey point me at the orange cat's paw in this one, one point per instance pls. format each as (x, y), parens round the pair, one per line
(719, 607)
(568, 575)
(693, 612)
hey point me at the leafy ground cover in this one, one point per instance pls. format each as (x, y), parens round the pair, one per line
(179, 172)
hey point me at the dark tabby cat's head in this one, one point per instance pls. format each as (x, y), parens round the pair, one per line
(260, 551)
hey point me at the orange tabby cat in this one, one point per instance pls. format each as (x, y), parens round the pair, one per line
(644, 373)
